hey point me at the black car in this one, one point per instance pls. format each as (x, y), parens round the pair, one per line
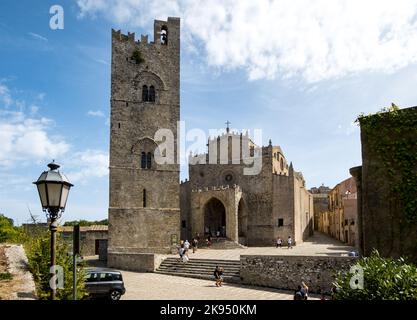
(105, 283)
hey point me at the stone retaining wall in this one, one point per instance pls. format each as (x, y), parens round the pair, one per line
(287, 272)
(141, 262)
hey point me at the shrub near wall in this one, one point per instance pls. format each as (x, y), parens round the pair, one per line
(38, 253)
(383, 279)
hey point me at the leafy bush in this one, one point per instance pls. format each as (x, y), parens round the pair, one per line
(384, 279)
(8, 232)
(137, 57)
(38, 253)
(5, 276)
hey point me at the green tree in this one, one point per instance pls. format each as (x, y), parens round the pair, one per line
(38, 253)
(384, 279)
(8, 232)
(86, 223)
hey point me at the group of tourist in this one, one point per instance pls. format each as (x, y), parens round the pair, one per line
(279, 242)
(184, 247)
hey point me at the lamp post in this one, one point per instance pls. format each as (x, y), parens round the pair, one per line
(53, 188)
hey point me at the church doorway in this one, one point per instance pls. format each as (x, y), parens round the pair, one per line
(214, 218)
(242, 222)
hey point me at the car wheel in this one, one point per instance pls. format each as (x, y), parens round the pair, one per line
(115, 295)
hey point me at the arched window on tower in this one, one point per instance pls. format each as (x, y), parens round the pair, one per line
(143, 160)
(164, 35)
(145, 93)
(144, 198)
(149, 160)
(152, 94)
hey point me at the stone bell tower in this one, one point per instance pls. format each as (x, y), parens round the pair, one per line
(144, 212)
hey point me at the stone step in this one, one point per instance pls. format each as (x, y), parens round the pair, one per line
(196, 270)
(221, 243)
(191, 265)
(206, 265)
(206, 269)
(230, 279)
(205, 261)
(200, 268)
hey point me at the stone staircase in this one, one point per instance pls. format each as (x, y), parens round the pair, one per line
(221, 243)
(201, 268)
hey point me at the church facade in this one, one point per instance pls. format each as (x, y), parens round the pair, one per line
(250, 209)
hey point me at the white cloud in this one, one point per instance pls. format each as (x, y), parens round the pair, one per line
(97, 113)
(88, 164)
(38, 36)
(5, 95)
(312, 39)
(27, 139)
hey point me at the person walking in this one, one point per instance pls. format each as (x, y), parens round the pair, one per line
(298, 295)
(304, 290)
(289, 242)
(194, 244)
(216, 274)
(208, 241)
(186, 245)
(221, 270)
(279, 242)
(181, 252)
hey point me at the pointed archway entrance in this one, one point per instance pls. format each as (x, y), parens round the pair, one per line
(214, 217)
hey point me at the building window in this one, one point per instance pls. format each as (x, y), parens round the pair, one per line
(252, 151)
(149, 160)
(151, 94)
(183, 224)
(145, 93)
(144, 198)
(282, 164)
(280, 222)
(143, 160)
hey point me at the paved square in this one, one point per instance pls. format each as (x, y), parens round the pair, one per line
(153, 286)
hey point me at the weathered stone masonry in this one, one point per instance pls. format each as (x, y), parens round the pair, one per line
(287, 272)
(145, 97)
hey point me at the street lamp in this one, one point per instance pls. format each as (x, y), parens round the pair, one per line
(53, 188)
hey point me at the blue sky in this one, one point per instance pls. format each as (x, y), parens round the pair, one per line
(300, 73)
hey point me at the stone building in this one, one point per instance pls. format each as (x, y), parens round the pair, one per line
(320, 203)
(389, 157)
(340, 220)
(144, 207)
(144, 201)
(249, 209)
(93, 239)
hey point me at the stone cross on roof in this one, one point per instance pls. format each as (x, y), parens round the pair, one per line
(227, 124)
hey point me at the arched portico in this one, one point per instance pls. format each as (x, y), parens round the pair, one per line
(214, 217)
(214, 209)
